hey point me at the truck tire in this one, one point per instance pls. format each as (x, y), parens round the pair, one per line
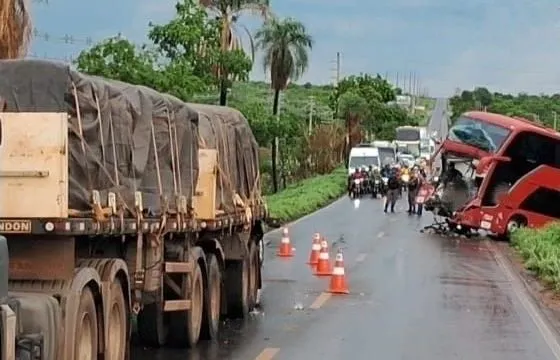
(185, 326)
(254, 275)
(86, 327)
(212, 299)
(237, 287)
(117, 322)
(151, 325)
(515, 223)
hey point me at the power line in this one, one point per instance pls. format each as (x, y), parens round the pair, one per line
(65, 59)
(65, 39)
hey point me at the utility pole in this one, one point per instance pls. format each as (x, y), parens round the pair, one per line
(336, 81)
(397, 82)
(311, 109)
(404, 85)
(555, 120)
(337, 68)
(414, 92)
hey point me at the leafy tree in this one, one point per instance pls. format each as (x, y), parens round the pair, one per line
(369, 87)
(285, 44)
(189, 38)
(483, 96)
(117, 58)
(227, 13)
(15, 29)
(353, 109)
(377, 93)
(195, 39)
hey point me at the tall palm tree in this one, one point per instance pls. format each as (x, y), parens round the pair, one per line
(15, 29)
(228, 12)
(286, 45)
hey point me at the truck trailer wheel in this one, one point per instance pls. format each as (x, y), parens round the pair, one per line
(212, 299)
(86, 327)
(185, 326)
(237, 287)
(117, 323)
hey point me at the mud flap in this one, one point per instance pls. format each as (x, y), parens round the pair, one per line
(39, 315)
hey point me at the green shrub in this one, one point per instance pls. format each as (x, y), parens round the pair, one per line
(306, 196)
(540, 249)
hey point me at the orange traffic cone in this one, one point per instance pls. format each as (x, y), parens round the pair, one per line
(338, 280)
(315, 250)
(324, 265)
(285, 249)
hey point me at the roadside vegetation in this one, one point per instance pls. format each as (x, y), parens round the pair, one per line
(540, 250)
(306, 196)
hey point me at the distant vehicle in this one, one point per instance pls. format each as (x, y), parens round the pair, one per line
(387, 154)
(406, 159)
(382, 143)
(408, 139)
(518, 171)
(363, 157)
(427, 145)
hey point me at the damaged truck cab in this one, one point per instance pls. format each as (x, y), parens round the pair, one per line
(517, 172)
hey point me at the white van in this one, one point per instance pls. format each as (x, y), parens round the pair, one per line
(363, 157)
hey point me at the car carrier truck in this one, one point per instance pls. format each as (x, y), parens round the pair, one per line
(118, 201)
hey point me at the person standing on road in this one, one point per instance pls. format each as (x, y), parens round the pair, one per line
(393, 187)
(413, 187)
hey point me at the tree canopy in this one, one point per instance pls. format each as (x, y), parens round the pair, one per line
(187, 57)
(541, 108)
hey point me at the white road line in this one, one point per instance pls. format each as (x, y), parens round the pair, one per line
(361, 258)
(268, 354)
(381, 234)
(320, 300)
(518, 288)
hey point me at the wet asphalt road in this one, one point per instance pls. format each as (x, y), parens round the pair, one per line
(413, 296)
(439, 120)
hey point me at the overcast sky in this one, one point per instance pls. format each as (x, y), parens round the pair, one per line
(508, 46)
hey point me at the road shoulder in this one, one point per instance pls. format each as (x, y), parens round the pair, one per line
(546, 299)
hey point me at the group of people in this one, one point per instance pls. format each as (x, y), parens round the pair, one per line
(394, 184)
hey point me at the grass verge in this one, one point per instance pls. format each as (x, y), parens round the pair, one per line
(305, 197)
(540, 250)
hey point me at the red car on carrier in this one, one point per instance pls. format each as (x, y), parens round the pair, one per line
(517, 167)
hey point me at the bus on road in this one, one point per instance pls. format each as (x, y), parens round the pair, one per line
(518, 168)
(407, 139)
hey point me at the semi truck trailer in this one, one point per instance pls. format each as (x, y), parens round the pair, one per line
(120, 202)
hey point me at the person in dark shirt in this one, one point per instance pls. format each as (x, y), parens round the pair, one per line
(386, 171)
(357, 174)
(393, 186)
(413, 187)
(451, 174)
